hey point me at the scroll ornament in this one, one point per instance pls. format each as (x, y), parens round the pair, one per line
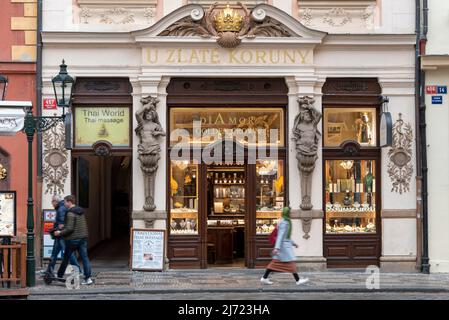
(149, 129)
(400, 168)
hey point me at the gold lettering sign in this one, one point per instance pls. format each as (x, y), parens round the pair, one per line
(246, 125)
(220, 56)
(102, 123)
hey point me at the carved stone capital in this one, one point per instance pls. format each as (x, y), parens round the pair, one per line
(146, 215)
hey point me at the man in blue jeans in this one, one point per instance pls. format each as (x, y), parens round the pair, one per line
(59, 243)
(75, 235)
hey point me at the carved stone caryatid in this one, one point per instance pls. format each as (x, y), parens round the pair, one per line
(306, 136)
(149, 129)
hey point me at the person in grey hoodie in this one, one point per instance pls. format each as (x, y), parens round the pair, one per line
(75, 235)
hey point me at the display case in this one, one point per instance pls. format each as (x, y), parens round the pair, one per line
(226, 198)
(184, 198)
(350, 196)
(269, 194)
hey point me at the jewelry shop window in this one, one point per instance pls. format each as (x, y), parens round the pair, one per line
(184, 197)
(350, 196)
(357, 124)
(269, 194)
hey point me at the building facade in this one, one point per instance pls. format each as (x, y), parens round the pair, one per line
(164, 88)
(18, 23)
(434, 63)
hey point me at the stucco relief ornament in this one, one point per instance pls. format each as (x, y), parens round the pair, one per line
(227, 26)
(306, 137)
(123, 16)
(400, 168)
(54, 167)
(337, 17)
(149, 129)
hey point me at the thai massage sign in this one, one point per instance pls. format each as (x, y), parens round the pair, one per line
(221, 56)
(110, 124)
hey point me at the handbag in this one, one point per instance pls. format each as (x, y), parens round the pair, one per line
(273, 236)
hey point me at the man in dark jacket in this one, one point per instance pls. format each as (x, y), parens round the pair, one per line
(59, 243)
(75, 234)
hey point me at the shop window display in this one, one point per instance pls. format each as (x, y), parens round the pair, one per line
(269, 194)
(342, 124)
(350, 193)
(184, 197)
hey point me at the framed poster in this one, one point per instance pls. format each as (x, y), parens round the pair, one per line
(8, 213)
(147, 249)
(49, 216)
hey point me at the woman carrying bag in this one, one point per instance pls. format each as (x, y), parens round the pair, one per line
(283, 255)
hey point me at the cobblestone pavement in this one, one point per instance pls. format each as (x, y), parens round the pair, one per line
(253, 296)
(246, 281)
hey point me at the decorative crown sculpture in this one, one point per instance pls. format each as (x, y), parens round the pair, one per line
(228, 20)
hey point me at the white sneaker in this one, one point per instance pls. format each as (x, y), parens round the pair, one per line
(302, 280)
(266, 281)
(87, 282)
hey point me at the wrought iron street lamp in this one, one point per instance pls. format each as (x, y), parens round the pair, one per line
(3, 86)
(62, 85)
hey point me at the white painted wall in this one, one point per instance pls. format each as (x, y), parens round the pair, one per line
(397, 16)
(399, 237)
(437, 118)
(438, 25)
(391, 16)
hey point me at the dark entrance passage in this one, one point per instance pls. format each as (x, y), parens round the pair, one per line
(103, 189)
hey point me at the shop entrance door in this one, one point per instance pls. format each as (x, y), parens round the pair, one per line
(227, 214)
(102, 185)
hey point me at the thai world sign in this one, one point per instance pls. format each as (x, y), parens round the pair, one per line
(110, 124)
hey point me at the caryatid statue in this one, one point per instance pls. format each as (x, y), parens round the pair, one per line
(306, 136)
(149, 129)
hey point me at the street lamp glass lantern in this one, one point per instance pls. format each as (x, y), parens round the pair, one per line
(62, 86)
(3, 86)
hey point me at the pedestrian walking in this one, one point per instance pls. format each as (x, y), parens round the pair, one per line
(283, 255)
(75, 234)
(59, 243)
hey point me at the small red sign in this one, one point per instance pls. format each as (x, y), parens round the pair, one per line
(50, 104)
(431, 89)
(48, 226)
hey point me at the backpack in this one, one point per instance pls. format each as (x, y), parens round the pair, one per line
(273, 236)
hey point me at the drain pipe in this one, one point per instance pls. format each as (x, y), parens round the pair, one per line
(419, 234)
(425, 268)
(39, 83)
(39, 113)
